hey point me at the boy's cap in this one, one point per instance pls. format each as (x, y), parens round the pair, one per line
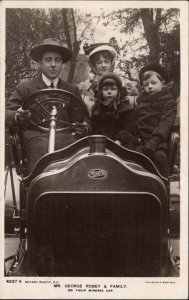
(110, 78)
(156, 68)
(51, 44)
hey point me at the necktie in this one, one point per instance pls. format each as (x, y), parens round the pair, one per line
(52, 85)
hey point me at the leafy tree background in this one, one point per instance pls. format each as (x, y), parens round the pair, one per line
(153, 36)
(147, 36)
(28, 27)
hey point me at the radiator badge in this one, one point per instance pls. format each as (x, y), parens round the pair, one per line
(97, 174)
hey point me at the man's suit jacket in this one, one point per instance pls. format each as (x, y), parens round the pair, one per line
(24, 90)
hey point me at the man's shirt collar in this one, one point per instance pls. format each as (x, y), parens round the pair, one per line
(48, 82)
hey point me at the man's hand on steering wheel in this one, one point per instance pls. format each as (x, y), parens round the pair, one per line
(22, 115)
(80, 129)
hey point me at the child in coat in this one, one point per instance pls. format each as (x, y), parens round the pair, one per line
(111, 110)
(154, 117)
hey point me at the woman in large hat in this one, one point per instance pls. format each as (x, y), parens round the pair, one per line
(102, 58)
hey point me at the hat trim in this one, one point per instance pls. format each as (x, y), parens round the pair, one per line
(36, 52)
(104, 48)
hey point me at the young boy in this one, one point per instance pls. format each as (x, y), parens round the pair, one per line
(111, 107)
(154, 117)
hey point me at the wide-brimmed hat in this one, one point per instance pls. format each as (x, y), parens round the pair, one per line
(101, 48)
(90, 50)
(156, 68)
(51, 44)
(108, 79)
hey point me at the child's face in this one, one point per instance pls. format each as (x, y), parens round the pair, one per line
(152, 85)
(109, 93)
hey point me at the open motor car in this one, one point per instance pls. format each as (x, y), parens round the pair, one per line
(93, 208)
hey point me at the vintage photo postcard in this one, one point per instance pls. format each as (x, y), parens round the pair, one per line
(94, 149)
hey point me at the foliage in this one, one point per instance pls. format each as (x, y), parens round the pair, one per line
(170, 56)
(152, 36)
(28, 27)
(20, 36)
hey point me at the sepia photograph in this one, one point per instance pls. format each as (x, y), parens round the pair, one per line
(94, 137)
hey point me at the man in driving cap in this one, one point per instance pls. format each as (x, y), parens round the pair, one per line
(50, 55)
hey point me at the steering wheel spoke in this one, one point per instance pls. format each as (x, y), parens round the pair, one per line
(44, 109)
(69, 109)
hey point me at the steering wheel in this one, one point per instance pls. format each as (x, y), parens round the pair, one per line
(69, 109)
